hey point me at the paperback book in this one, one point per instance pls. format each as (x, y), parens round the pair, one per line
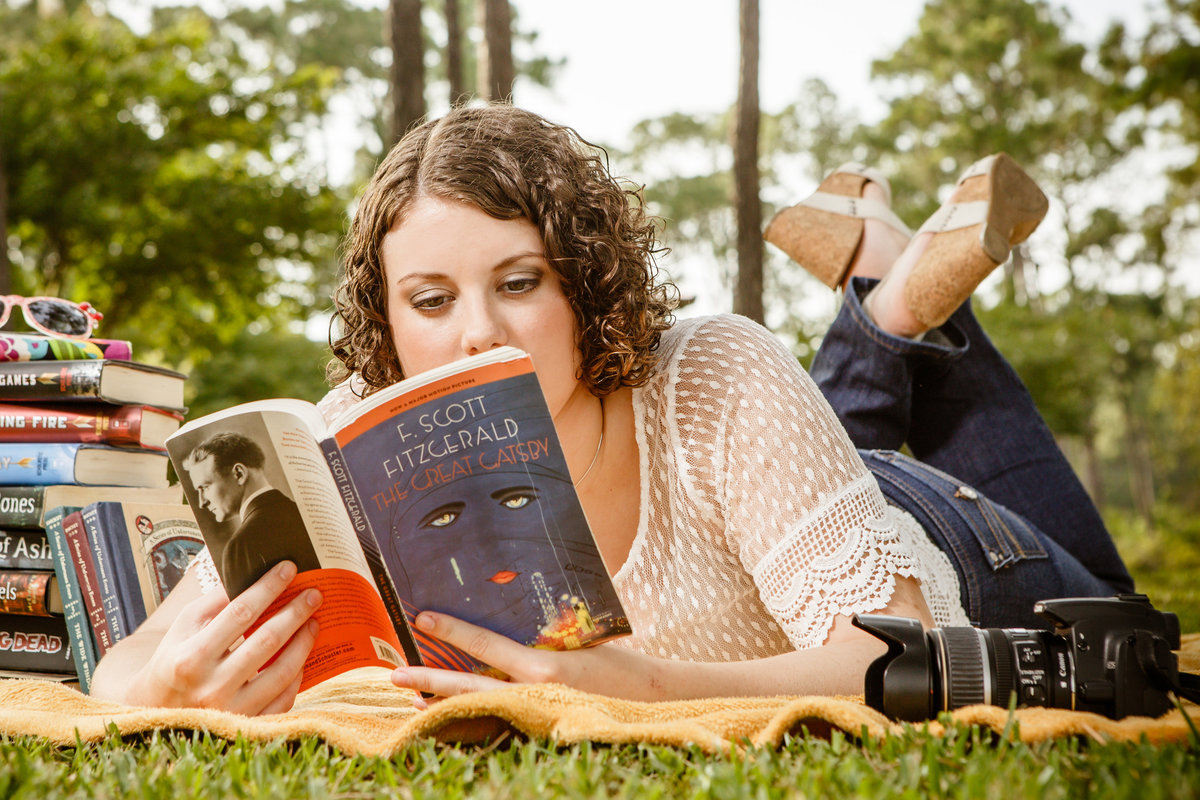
(38, 347)
(88, 423)
(84, 464)
(33, 593)
(34, 644)
(25, 507)
(446, 492)
(107, 380)
(25, 550)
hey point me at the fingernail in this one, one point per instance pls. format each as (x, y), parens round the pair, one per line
(425, 621)
(287, 570)
(313, 598)
(400, 678)
(313, 627)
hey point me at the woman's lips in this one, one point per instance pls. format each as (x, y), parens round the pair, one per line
(503, 576)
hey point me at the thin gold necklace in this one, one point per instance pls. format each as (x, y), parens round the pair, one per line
(596, 455)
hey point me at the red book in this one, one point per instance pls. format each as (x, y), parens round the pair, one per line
(80, 550)
(32, 593)
(88, 423)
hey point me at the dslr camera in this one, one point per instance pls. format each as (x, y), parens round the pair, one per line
(1111, 656)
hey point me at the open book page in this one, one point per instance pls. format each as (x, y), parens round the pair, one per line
(281, 502)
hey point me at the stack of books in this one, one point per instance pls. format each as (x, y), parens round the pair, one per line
(82, 430)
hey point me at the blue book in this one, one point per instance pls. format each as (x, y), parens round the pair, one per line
(141, 551)
(36, 464)
(79, 629)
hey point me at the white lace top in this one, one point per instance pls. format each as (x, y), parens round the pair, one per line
(759, 522)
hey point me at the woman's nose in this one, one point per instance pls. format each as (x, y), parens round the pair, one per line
(482, 331)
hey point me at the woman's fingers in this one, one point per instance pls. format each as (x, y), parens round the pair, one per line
(274, 689)
(489, 647)
(244, 663)
(442, 682)
(227, 627)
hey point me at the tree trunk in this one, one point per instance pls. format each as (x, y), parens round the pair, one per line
(408, 65)
(1094, 479)
(5, 266)
(454, 54)
(1141, 470)
(748, 293)
(496, 71)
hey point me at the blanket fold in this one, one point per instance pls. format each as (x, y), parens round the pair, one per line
(360, 712)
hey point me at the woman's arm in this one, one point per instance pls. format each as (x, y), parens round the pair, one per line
(191, 652)
(837, 667)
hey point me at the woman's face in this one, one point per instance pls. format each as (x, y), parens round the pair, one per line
(460, 282)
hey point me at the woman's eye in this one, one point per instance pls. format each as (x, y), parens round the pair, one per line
(430, 303)
(520, 285)
(442, 517)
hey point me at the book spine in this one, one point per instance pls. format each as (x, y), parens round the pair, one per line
(37, 464)
(82, 423)
(35, 644)
(370, 548)
(37, 347)
(79, 629)
(107, 579)
(21, 506)
(25, 550)
(84, 564)
(50, 380)
(26, 592)
(106, 529)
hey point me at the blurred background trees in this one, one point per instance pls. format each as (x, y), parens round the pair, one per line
(180, 178)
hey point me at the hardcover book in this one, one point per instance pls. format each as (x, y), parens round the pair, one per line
(25, 506)
(448, 491)
(35, 644)
(25, 550)
(39, 347)
(144, 548)
(83, 464)
(33, 593)
(111, 381)
(83, 562)
(88, 423)
(75, 614)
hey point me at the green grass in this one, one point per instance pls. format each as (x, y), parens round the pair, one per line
(965, 763)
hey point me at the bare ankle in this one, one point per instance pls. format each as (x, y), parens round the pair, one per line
(881, 244)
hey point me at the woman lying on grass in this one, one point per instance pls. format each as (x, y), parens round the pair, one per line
(740, 524)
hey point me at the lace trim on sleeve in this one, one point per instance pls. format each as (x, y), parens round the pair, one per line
(841, 559)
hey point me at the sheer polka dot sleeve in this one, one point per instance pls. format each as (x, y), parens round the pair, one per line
(802, 512)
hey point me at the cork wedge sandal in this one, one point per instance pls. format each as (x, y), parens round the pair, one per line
(822, 233)
(996, 206)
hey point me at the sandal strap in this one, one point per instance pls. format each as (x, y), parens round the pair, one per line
(953, 216)
(981, 167)
(871, 174)
(863, 208)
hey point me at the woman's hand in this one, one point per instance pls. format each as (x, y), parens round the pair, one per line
(604, 670)
(200, 659)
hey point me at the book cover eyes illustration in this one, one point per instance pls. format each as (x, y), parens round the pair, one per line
(473, 506)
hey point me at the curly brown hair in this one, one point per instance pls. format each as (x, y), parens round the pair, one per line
(513, 164)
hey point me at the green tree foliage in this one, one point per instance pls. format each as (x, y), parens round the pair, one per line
(161, 176)
(1003, 75)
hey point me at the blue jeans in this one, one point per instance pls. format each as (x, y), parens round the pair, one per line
(988, 482)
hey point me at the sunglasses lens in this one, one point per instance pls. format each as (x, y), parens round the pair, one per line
(59, 316)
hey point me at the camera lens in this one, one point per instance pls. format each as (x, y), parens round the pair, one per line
(989, 665)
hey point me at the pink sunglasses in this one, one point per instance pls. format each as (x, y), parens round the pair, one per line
(52, 315)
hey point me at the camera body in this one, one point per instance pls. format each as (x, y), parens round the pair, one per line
(1112, 656)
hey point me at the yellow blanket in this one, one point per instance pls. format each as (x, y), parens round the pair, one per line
(360, 712)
